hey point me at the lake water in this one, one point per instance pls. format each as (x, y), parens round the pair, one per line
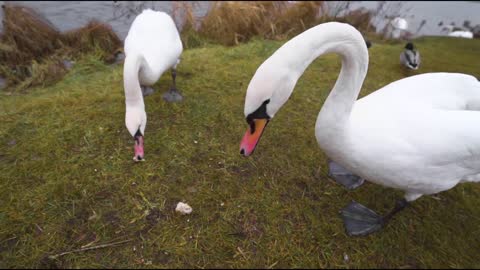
(66, 15)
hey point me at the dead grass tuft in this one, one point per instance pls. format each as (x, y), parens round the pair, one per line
(95, 35)
(230, 23)
(32, 50)
(26, 36)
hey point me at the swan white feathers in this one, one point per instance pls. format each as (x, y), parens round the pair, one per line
(152, 46)
(461, 34)
(419, 134)
(423, 140)
(400, 23)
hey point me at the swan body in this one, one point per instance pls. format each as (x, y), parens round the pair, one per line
(418, 134)
(453, 31)
(400, 23)
(154, 41)
(152, 46)
(462, 34)
(425, 149)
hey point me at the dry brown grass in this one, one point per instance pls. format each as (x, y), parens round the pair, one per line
(360, 19)
(230, 23)
(294, 19)
(182, 13)
(25, 33)
(32, 50)
(93, 35)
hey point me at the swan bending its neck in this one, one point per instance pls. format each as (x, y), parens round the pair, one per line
(427, 149)
(135, 115)
(131, 83)
(275, 79)
(152, 46)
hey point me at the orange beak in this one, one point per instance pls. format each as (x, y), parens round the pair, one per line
(250, 139)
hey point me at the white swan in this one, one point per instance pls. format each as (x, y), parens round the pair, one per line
(453, 31)
(399, 25)
(410, 57)
(461, 34)
(152, 46)
(419, 134)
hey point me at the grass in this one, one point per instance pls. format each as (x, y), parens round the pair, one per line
(67, 178)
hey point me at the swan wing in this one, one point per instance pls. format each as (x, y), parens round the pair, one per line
(155, 35)
(424, 128)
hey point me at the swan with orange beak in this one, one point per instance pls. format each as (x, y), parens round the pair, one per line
(263, 100)
(404, 135)
(257, 122)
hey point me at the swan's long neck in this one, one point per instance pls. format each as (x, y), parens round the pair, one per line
(131, 83)
(336, 110)
(297, 54)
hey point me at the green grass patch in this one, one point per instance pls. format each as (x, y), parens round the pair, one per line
(67, 179)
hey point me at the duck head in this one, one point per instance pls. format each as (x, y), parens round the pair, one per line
(409, 46)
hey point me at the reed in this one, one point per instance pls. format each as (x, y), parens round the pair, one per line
(230, 23)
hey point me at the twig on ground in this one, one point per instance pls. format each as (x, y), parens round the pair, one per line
(53, 257)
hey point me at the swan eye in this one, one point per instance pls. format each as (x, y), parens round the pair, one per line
(138, 134)
(251, 123)
(260, 113)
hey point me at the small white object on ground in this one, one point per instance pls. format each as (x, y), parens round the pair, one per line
(183, 208)
(346, 258)
(67, 64)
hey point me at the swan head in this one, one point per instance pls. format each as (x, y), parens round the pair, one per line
(268, 90)
(136, 120)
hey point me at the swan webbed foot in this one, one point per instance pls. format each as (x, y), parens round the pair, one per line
(172, 95)
(146, 90)
(360, 220)
(344, 177)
